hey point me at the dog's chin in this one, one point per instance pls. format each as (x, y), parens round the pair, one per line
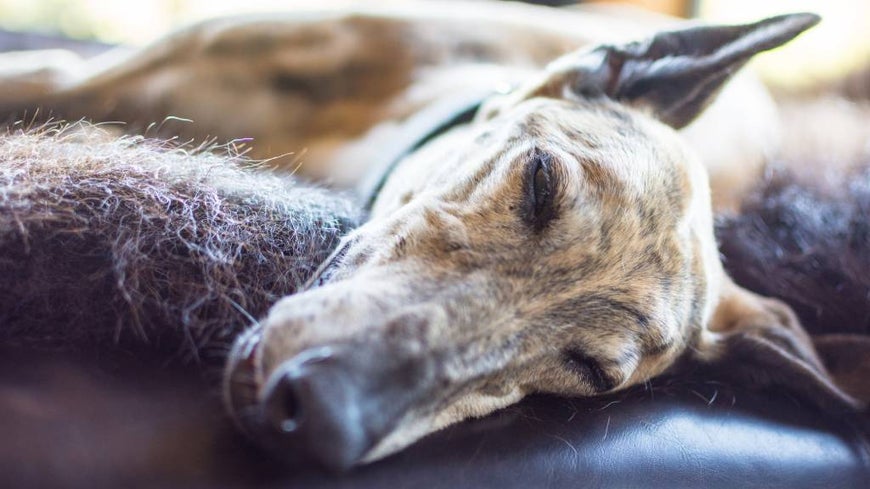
(415, 426)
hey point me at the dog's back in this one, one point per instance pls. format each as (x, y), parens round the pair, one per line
(333, 89)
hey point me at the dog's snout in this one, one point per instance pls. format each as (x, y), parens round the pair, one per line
(314, 405)
(334, 404)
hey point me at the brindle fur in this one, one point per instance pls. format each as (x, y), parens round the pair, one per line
(451, 301)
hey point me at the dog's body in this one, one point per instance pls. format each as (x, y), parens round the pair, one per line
(560, 242)
(333, 93)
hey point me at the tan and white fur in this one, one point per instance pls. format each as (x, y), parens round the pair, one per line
(561, 242)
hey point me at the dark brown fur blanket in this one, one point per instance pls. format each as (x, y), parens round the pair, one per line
(809, 244)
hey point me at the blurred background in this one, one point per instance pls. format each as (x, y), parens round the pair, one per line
(839, 44)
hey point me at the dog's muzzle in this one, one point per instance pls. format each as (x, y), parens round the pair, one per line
(332, 404)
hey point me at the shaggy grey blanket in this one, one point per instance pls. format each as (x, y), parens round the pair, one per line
(139, 245)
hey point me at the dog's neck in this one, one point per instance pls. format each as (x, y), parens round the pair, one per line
(418, 130)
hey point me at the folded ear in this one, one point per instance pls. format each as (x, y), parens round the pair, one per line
(759, 343)
(675, 74)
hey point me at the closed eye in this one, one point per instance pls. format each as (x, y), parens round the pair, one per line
(589, 369)
(540, 189)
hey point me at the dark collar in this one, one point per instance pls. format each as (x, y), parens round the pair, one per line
(418, 130)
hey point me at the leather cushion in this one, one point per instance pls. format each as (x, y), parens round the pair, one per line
(111, 422)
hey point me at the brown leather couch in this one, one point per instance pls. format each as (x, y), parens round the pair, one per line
(112, 422)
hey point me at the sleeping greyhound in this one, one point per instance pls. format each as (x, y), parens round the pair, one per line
(533, 229)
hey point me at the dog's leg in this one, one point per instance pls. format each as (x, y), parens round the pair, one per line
(759, 342)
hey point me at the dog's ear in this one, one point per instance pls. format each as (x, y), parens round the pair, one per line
(759, 343)
(675, 74)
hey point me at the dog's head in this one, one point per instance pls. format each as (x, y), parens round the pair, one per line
(561, 243)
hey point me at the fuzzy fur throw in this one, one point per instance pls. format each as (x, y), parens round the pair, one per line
(143, 246)
(808, 245)
(807, 242)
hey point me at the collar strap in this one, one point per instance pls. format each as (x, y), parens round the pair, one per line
(418, 130)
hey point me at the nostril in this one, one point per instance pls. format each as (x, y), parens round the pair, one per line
(283, 395)
(281, 406)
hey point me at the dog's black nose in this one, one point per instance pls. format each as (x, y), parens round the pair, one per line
(335, 404)
(316, 407)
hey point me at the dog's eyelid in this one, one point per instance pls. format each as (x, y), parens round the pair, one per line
(540, 189)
